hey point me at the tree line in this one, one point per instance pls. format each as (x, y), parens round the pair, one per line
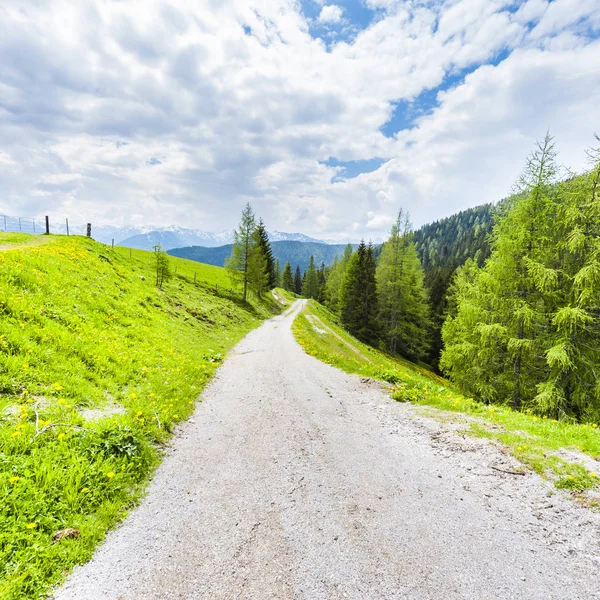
(510, 303)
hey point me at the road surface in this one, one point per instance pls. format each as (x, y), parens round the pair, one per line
(294, 480)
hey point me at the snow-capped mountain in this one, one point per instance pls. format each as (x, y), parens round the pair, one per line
(145, 237)
(280, 236)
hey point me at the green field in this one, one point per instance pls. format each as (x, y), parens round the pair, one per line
(535, 441)
(96, 368)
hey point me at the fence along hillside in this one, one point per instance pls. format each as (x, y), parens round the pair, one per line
(40, 226)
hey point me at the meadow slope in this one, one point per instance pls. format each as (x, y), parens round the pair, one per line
(566, 453)
(96, 368)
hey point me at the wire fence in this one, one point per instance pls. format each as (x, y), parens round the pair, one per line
(9, 224)
(21, 224)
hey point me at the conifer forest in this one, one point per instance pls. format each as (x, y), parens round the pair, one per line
(503, 299)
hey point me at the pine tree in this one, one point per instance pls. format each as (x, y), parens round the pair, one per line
(334, 280)
(287, 281)
(298, 280)
(310, 285)
(403, 303)
(242, 263)
(358, 296)
(262, 242)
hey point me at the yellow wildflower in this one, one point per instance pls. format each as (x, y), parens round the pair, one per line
(31, 525)
(110, 474)
(13, 479)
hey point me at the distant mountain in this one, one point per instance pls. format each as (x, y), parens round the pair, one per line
(178, 237)
(297, 253)
(175, 237)
(172, 236)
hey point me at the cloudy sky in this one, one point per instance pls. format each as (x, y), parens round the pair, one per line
(326, 116)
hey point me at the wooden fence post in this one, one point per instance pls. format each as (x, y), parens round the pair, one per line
(47, 225)
(113, 243)
(89, 230)
(67, 221)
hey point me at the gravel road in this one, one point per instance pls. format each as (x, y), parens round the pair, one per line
(295, 480)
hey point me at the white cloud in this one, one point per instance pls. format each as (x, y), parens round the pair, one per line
(331, 13)
(180, 114)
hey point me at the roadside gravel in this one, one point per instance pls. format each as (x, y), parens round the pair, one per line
(294, 480)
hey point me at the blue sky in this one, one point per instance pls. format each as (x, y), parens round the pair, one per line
(328, 116)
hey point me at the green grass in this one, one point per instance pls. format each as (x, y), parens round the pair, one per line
(534, 441)
(8, 240)
(96, 368)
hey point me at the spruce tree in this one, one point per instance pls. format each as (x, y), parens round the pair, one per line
(298, 281)
(403, 302)
(358, 296)
(287, 279)
(262, 242)
(310, 284)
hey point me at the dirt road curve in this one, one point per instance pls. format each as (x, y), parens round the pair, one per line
(294, 480)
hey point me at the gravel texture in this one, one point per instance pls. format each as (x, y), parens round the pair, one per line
(295, 480)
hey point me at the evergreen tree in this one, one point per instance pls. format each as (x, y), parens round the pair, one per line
(334, 280)
(262, 241)
(358, 296)
(310, 285)
(243, 263)
(287, 280)
(298, 281)
(403, 303)
(496, 339)
(277, 273)
(323, 273)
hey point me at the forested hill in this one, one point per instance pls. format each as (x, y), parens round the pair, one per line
(445, 245)
(448, 243)
(297, 253)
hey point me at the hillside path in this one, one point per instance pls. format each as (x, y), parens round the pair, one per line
(294, 480)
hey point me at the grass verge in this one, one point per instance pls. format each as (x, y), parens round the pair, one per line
(96, 368)
(537, 443)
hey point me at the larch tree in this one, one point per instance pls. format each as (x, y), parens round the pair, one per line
(572, 388)
(242, 263)
(403, 303)
(334, 280)
(497, 336)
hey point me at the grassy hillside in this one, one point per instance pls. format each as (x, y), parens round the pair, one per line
(96, 368)
(536, 442)
(297, 253)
